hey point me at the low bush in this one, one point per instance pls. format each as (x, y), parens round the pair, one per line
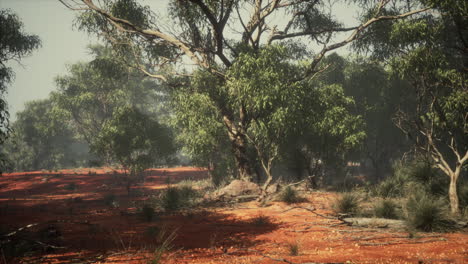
(406, 176)
(71, 186)
(293, 249)
(428, 214)
(110, 199)
(152, 231)
(386, 209)
(347, 203)
(261, 220)
(290, 195)
(175, 198)
(147, 213)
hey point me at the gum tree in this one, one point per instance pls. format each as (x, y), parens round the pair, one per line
(14, 45)
(431, 52)
(135, 141)
(213, 35)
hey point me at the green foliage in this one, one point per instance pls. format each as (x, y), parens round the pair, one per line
(147, 213)
(43, 138)
(293, 249)
(14, 45)
(110, 199)
(135, 140)
(347, 203)
(91, 92)
(261, 221)
(290, 196)
(386, 209)
(175, 198)
(71, 187)
(430, 52)
(428, 214)
(419, 174)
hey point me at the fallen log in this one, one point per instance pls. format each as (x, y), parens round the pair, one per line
(375, 222)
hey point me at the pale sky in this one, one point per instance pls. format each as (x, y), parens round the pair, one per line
(61, 45)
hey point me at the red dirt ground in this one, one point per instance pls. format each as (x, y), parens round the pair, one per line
(92, 232)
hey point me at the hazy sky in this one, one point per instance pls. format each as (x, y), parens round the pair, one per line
(61, 45)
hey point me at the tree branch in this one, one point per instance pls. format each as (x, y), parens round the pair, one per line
(356, 34)
(150, 33)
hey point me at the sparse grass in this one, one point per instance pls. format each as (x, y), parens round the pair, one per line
(428, 214)
(386, 209)
(348, 203)
(290, 195)
(261, 220)
(293, 249)
(164, 241)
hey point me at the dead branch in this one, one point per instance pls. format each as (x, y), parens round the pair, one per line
(403, 242)
(312, 210)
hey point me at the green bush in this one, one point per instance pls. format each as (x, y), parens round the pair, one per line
(177, 198)
(147, 212)
(406, 176)
(152, 231)
(293, 249)
(348, 203)
(261, 220)
(289, 196)
(428, 214)
(386, 209)
(110, 199)
(71, 186)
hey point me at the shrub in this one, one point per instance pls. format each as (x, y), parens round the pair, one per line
(418, 172)
(428, 214)
(71, 186)
(293, 249)
(386, 209)
(260, 220)
(110, 199)
(289, 196)
(348, 203)
(147, 212)
(176, 198)
(152, 231)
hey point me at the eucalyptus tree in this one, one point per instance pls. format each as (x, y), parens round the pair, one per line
(378, 95)
(93, 91)
(431, 52)
(14, 45)
(42, 138)
(213, 35)
(135, 140)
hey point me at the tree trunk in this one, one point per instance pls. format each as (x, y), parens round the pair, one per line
(453, 196)
(243, 161)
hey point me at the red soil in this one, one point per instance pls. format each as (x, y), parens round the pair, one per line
(93, 232)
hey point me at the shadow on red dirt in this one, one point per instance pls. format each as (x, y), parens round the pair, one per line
(72, 220)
